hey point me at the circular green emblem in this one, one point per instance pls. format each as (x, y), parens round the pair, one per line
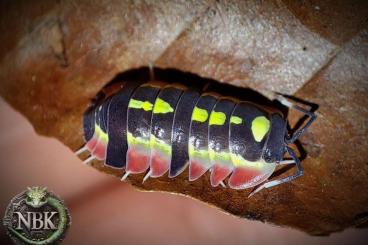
(36, 216)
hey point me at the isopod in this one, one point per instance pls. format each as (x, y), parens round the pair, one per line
(163, 129)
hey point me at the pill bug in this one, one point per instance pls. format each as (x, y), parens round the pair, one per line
(163, 129)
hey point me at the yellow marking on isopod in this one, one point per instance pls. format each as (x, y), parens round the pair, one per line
(199, 115)
(137, 104)
(138, 141)
(236, 120)
(162, 106)
(160, 145)
(101, 135)
(260, 127)
(217, 118)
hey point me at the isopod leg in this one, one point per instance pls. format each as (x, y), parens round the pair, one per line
(80, 150)
(299, 172)
(300, 131)
(222, 184)
(286, 162)
(125, 176)
(147, 176)
(89, 159)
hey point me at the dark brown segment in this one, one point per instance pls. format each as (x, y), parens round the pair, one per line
(162, 123)
(89, 124)
(242, 141)
(199, 130)
(139, 120)
(219, 134)
(117, 127)
(275, 147)
(181, 129)
(139, 128)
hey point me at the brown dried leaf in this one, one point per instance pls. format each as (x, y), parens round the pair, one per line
(56, 57)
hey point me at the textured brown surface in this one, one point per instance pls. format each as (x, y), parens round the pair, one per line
(56, 57)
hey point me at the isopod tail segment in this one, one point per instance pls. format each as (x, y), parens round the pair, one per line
(289, 139)
(96, 135)
(91, 134)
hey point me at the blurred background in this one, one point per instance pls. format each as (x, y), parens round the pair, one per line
(105, 210)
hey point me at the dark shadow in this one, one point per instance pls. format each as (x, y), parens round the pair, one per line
(192, 81)
(361, 220)
(282, 170)
(5, 239)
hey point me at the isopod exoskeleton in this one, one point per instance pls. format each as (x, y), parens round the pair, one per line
(164, 129)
